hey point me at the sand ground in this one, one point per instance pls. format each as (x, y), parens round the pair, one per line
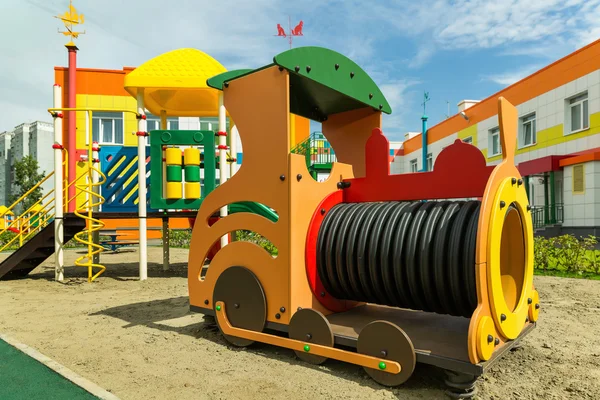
(139, 341)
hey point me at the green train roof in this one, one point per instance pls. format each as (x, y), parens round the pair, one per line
(218, 81)
(323, 82)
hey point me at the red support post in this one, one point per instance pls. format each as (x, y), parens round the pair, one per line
(71, 127)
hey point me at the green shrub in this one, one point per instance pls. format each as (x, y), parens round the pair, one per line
(541, 252)
(567, 255)
(253, 237)
(6, 237)
(571, 253)
(183, 238)
(592, 256)
(180, 238)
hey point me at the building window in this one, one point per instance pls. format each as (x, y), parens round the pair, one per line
(468, 140)
(494, 142)
(153, 123)
(107, 127)
(577, 113)
(208, 125)
(527, 131)
(578, 179)
(413, 165)
(429, 162)
(212, 124)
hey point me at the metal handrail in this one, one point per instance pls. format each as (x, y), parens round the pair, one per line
(547, 215)
(93, 224)
(23, 223)
(67, 186)
(25, 212)
(86, 210)
(37, 185)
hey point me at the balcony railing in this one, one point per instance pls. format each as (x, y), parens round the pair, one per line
(317, 151)
(547, 215)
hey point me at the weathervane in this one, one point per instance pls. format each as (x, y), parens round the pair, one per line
(425, 100)
(70, 18)
(297, 31)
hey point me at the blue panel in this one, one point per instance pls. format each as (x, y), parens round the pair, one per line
(113, 190)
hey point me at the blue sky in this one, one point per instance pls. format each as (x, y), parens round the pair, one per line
(454, 49)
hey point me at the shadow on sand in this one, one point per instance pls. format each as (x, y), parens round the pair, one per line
(117, 271)
(426, 381)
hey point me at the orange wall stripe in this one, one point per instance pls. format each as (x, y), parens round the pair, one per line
(580, 159)
(565, 70)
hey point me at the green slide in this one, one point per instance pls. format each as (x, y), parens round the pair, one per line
(255, 208)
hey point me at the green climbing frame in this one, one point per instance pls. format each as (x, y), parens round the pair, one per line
(161, 138)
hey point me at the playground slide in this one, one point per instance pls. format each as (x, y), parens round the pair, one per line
(255, 208)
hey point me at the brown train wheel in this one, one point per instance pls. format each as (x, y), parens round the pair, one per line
(244, 299)
(387, 341)
(310, 326)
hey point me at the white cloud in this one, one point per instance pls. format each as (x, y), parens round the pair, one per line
(399, 93)
(240, 34)
(483, 24)
(510, 77)
(424, 53)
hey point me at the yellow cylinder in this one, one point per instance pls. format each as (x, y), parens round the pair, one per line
(174, 190)
(191, 156)
(173, 156)
(192, 190)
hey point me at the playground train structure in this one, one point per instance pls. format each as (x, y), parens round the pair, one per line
(373, 269)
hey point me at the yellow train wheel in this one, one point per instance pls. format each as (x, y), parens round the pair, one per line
(510, 258)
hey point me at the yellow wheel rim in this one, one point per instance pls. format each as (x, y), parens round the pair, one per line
(510, 258)
(485, 338)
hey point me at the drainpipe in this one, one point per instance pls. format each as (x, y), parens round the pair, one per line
(424, 140)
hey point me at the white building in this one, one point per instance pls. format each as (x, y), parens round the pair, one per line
(5, 162)
(558, 146)
(28, 139)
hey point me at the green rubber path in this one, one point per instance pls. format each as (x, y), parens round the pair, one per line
(22, 377)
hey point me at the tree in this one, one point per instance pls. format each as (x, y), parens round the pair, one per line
(26, 177)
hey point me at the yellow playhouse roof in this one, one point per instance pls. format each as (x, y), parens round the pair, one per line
(5, 211)
(176, 83)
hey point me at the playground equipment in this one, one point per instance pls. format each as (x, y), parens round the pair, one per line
(187, 166)
(319, 155)
(173, 84)
(374, 269)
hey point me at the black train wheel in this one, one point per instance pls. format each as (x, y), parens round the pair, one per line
(387, 341)
(244, 300)
(310, 326)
